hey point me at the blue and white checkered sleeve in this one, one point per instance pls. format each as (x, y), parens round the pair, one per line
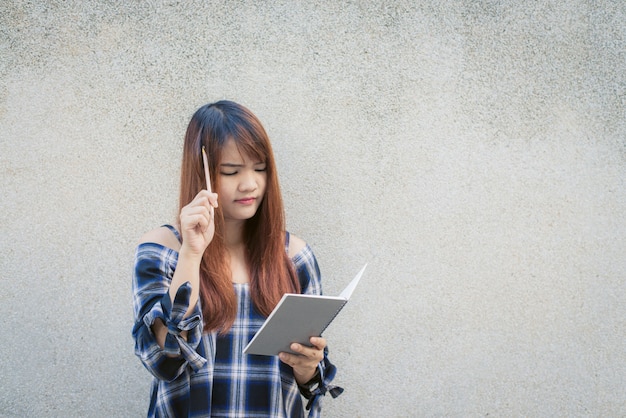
(308, 272)
(151, 301)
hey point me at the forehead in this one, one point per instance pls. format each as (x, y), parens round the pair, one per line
(233, 154)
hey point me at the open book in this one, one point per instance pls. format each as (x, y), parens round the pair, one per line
(296, 318)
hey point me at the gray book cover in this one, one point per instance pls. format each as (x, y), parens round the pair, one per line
(296, 318)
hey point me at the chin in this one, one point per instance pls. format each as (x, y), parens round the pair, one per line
(242, 215)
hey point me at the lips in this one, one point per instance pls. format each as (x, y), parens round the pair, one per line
(246, 201)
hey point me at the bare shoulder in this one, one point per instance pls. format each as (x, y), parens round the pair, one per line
(296, 245)
(162, 236)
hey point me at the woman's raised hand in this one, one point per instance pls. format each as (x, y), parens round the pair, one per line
(196, 223)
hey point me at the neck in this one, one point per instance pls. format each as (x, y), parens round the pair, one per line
(235, 247)
(233, 234)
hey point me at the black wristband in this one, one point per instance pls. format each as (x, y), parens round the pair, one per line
(309, 386)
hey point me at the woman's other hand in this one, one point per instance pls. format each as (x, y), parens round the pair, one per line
(305, 363)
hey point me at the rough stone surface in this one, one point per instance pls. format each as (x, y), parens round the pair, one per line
(473, 153)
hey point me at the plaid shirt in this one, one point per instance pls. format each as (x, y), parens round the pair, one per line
(209, 375)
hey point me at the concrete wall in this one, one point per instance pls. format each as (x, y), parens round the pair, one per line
(473, 152)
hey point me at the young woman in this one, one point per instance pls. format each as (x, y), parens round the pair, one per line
(203, 286)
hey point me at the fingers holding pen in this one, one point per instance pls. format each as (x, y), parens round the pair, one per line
(197, 221)
(196, 218)
(205, 203)
(205, 198)
(212, 198)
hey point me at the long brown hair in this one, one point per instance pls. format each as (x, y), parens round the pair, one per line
(271, 271)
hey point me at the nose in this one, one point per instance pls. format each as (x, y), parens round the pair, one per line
(248, 182)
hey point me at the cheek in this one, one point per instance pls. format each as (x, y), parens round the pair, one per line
(224, 188)
(263, 183)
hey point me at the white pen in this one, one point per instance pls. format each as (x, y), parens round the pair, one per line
(205, 161)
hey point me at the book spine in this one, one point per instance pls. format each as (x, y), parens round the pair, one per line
(334, 316)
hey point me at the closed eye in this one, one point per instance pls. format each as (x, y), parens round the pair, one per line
(229, 169)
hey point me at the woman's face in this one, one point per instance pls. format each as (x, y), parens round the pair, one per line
(242, 183)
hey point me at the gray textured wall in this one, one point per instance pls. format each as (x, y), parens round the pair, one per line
(473, 152)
